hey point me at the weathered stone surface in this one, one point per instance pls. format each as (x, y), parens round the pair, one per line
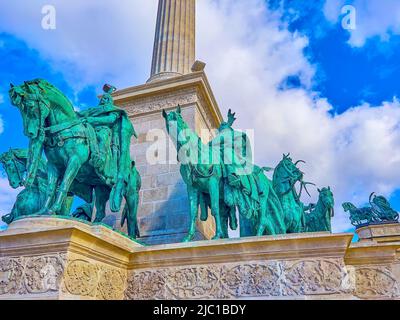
(254, 279)
(31, 275)
(52, 258)
(155, 194)
(387, 232)
(86, 279)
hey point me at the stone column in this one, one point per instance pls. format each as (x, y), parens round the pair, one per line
(174, 43)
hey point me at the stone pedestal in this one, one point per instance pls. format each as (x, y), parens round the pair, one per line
(380, 233)
(51, 258)
(164, 208)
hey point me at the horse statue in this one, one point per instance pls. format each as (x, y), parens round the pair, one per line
(32, 199)
(211, 184)
(285, 177)
(360, 216)
(319, 217)
(383, 209)
(379, 211)
(200, 179)
(91, 148)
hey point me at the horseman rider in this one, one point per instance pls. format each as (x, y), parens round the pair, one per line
(114, 132)
(236, 157)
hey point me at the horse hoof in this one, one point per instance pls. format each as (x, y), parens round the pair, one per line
(99, 219)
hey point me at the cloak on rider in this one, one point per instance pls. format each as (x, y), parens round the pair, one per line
(113, 134)
(237, 164)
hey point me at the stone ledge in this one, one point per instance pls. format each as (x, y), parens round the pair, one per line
(44, 235)
(380, 233)
(295, 246)
(52, 258)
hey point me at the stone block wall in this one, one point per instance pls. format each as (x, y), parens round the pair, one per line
(163, 213)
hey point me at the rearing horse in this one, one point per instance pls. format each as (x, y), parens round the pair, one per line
(286, 175)
(50, 122)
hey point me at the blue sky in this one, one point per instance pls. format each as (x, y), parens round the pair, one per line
(328, 94)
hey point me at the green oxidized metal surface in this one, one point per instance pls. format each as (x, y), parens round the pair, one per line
(222, 176)
(379, 211)
(87, 153)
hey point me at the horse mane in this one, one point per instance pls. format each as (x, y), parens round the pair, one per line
(45, 85)
(182, 122)
(278, 168)
(185, 126)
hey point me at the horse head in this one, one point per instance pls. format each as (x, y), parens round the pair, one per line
(33, 107)
(327, 199)
(176, 127)
(171, 119)
(13, 167)
(348, 207)
(286, 174)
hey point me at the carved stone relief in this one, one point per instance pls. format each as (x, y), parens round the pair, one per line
(157, 103)
(31, 275)
(376, 282)
(240, 280)
(87, 279)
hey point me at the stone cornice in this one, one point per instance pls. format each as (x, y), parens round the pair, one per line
(196, 80)
(294, 246)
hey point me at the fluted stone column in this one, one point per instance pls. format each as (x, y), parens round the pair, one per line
(174, 43)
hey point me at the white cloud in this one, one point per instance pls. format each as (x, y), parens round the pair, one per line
(355, 153)
(374, 18)
(94, 40)
(248, 53)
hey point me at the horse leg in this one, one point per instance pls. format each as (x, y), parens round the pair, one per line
(52, 182)
(262, 224)
(8, 218)
(102, 195)
(71, 171)
(203, 207)
(215, 201)
(224, 211)
(66, 208)
(132, 203)
(194, 208)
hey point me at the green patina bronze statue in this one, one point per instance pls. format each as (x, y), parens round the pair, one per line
(245, 185)
(30, 199)
(90, 149)
(318, 216)
(379, 211)
(221, 176)
(286, 175)
(203, 179)
(88, 155)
